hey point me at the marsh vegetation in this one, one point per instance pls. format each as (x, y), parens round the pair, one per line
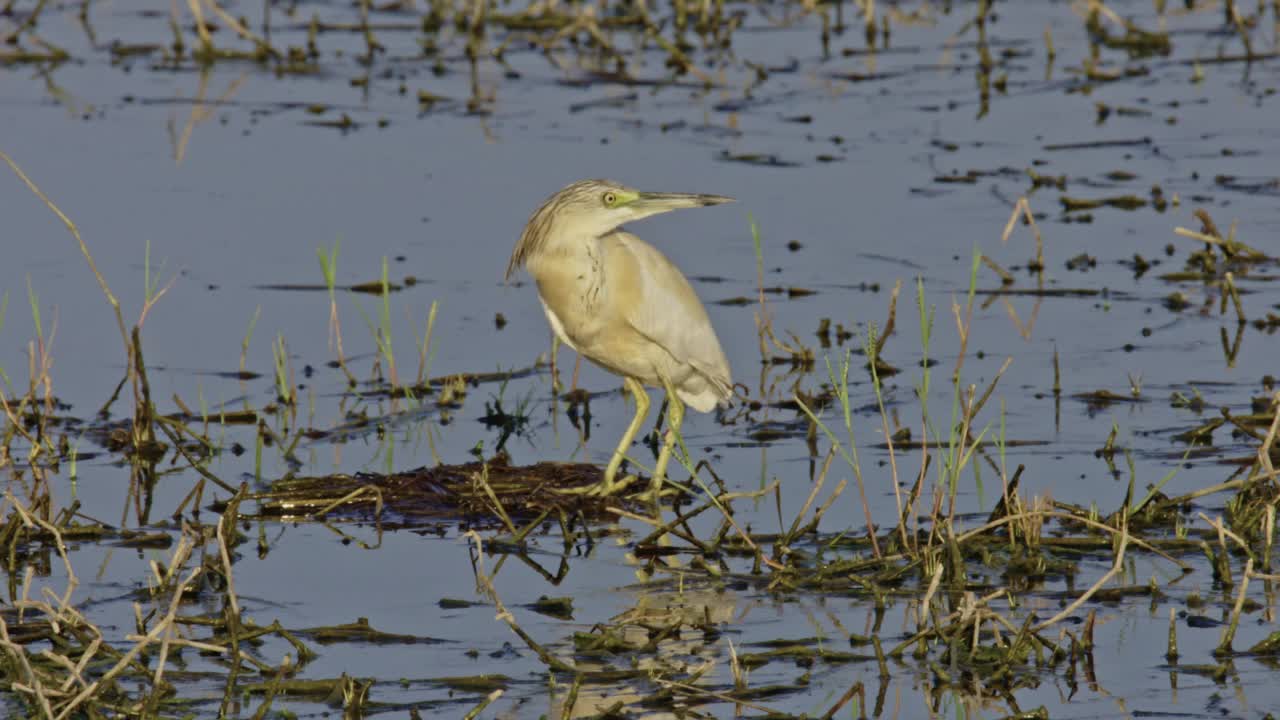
(1001, 305)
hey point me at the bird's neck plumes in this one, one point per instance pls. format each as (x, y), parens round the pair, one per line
(577, 254)
(545, 238)
(536, 238)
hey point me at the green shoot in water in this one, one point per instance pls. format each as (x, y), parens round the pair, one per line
(425, 352)
(284, 391)
(248, 336)
(329, 269)
(4, 306)
(384, 327)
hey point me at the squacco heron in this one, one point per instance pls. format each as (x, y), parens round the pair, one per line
(618, 301)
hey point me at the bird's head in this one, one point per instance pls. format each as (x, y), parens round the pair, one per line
(591, 208)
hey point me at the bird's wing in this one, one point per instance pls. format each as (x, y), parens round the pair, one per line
(660, 304)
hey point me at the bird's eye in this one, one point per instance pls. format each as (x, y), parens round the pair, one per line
(609, 199)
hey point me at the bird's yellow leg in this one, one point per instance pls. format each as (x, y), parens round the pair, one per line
(675, 418)
(642, 409)
(607, 486)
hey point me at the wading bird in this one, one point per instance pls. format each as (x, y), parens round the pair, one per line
(622, 304)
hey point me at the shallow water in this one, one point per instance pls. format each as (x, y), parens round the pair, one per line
(225, 176)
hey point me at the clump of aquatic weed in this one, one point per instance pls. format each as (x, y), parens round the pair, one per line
(479, 491)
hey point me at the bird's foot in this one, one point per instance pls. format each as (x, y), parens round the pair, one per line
(604, 488)
(657, 491)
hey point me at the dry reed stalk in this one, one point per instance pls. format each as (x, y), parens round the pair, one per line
(1116, 567)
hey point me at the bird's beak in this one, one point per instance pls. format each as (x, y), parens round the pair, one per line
(653, 202)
